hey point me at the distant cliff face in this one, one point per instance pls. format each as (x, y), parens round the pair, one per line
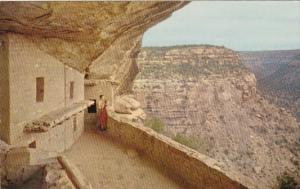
(265, 63)
(278, 74)
(203, 92)
(101, 38)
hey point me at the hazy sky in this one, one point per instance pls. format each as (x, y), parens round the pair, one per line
(241, 25)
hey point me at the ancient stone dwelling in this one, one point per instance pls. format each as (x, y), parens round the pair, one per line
(42, 100)
(45, 50)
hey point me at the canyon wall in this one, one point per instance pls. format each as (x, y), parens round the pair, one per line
(205, 94)
(278, 76)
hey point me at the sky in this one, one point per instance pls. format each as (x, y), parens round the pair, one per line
(240, 25)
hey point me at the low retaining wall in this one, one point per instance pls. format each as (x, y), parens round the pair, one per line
(183, 163)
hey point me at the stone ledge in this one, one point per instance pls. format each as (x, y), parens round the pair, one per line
(91, 82)
(207, 172)
(55, 117)
(95, 81)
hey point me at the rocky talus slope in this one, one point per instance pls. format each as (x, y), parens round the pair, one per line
(205, 94)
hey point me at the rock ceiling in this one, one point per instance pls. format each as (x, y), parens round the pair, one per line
(77, 33)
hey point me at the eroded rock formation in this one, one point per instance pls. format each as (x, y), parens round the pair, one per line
(278, 76)
(102, 38)
(206, 95)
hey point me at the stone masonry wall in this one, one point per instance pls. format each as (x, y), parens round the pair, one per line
(27, 63)
(78, 79)
(184, 164)
(4, 91)
(21, 63)
(19, 164)
(61, 137)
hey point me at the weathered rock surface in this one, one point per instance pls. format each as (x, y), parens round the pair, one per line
(101, 38)
(4, 148)
(122, 106)
(56, 177)
(125, 104)
(18, 164)
(129, 108)
(278, 76)
(203, 92)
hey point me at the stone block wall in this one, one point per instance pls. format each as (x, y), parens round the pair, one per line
(4, 148)
(22, 63)
(26, 63)
(17, 164)
(4, 90)
(20, 163)
(62, 136)
(184, 164)
(78, 79)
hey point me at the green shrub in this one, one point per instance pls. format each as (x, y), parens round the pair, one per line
(156, 124)
(286, 181)
(202, 145)
(182, 139)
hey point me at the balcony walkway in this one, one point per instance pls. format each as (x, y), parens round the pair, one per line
(110, 165)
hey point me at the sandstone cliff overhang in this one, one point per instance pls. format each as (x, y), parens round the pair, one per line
(78, 32)
(101, 39)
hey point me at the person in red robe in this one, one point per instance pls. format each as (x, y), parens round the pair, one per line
(102, 118)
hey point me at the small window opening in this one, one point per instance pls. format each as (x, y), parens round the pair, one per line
(75, 123)
(32, 145)
(71, 89)
(39, 89)
(93, 107)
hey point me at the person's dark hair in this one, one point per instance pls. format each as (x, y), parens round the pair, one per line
(101, 96)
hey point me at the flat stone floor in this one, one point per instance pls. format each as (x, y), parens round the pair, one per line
(110, 165)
